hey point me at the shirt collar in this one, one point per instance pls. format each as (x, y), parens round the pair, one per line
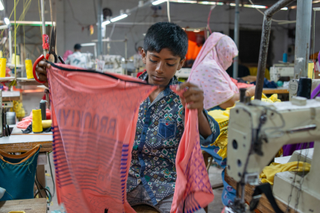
(173, 80)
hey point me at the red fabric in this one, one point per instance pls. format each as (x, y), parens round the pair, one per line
(193, 50)
(94, 124)
(140, 73)
(193, 189)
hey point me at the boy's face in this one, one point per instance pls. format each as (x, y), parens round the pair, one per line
(161, 66)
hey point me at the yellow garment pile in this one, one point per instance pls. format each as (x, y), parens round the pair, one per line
(222, 117)
(18, 109)
(268, 173)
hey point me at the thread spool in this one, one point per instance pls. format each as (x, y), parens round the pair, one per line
(304, 87)
(43, 105)
(29, 68)
(3, 65)
(17, 59)
(36, 121)
(13, 58)
(285, 57)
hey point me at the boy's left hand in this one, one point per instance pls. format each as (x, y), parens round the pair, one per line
(192, 97)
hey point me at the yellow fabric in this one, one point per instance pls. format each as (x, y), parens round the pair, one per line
(268, 173)
(272, 99)
(18, 109)
(222, 117)
(254, 71)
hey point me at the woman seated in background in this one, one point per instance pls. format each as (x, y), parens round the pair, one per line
(209, 73)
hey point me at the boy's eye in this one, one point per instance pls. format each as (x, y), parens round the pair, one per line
(152, 60)
(170, 65)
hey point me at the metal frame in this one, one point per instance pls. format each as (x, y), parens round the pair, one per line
(265, 36)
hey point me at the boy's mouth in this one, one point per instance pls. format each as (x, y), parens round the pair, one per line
(157, 78)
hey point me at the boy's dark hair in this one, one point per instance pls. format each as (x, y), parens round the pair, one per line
(166, 35)
(77, 47)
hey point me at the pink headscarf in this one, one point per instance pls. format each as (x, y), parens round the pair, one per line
(208, 70)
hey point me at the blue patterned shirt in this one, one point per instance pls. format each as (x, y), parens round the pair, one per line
(159, 129)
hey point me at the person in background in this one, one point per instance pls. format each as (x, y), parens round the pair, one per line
(194, 49)
(138, 62)
(209, 73)
(77, 58)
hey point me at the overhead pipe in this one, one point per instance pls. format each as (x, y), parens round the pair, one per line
(236, 39)
(265, 37)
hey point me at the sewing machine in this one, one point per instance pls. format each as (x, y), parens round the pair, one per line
(281, 70)
(257, 130)
(183, 73)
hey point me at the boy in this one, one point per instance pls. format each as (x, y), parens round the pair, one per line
(160, 125)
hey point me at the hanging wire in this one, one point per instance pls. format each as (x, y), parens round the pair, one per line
(40, 17)
(208, 21)
(50, 5)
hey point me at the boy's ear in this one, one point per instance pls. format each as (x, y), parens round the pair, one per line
(181, 63)
(144, 56)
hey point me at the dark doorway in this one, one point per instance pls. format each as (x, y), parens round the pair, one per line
(249, 46)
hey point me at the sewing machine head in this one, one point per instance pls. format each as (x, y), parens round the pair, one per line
(281, 70)
(257, 130)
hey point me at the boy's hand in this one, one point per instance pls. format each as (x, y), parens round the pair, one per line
(42, 72)
(192, 97)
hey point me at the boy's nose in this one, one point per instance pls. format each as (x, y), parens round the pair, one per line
(159, 68)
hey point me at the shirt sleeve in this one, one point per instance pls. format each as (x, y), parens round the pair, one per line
(214, 128)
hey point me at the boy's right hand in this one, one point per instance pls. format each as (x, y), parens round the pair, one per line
(42, 72)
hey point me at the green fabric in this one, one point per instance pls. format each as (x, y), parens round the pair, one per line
(18, 179)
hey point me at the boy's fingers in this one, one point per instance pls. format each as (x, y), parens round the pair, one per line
(184, 85)
(194, 105)
(41, 70)
(43, 63)
(43, 77)
(194, 98)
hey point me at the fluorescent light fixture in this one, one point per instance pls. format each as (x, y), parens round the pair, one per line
(284, 8)
(210, 3)
(6, 21)
(1, 6)
(158, 2)
(105, 23)
(316, 9)
(33, 23)
(250, 6)
(184, 1)
(119, 17)
(88, 44)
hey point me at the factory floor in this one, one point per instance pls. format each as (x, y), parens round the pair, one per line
(214, 174)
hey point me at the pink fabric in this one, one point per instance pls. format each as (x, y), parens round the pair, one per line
(208, 70)
(241, 85)
(94, 124)
(26, 121)
(193, 189)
